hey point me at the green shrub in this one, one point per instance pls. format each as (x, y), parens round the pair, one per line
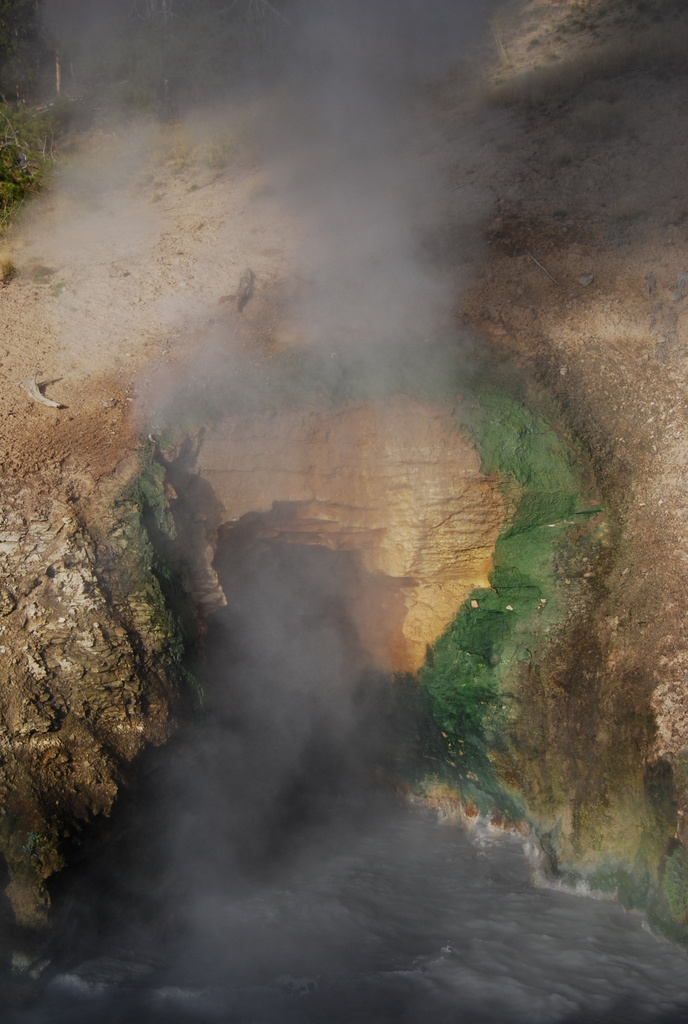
(27, 142)
(7, 271)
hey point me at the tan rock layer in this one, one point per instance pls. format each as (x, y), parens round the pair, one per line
(394, 481)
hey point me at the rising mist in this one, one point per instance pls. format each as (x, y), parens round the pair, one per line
(258, 870)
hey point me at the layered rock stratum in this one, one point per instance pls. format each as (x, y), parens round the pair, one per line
(395, 481)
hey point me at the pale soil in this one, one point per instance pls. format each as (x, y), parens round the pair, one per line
(147, 234)
(127, 265)
(595, 191)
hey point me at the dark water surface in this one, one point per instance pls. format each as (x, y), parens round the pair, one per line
(409, 921)
(262, 876)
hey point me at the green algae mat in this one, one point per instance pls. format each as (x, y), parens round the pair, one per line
(471, 674)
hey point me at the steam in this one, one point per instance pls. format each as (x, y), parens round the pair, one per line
(258, 873)
(353, 192)
(261, 877)
(353, 154)
(333, 161)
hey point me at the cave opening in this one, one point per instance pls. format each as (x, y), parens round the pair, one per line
(261, 870)
(300, 734)
(300, 686)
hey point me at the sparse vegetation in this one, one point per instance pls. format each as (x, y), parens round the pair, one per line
(40, 274)
(27, 150)
(657, 49)
(219, 154)
(7, 270)
(129, 58)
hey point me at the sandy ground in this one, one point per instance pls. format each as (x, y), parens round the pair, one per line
(128, 263)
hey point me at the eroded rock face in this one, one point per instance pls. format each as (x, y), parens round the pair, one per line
(76, 703)
(86, 670)
(394, 481)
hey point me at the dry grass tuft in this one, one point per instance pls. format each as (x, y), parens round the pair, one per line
(7, 270)
(660, 50)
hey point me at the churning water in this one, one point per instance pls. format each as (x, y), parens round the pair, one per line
(409, 922)
(262, 876)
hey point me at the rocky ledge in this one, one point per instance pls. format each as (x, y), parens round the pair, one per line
(85, 678)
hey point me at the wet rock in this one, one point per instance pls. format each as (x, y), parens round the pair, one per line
(77, 701)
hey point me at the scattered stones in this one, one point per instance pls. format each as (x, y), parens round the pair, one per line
(8, 601)
(681, 286)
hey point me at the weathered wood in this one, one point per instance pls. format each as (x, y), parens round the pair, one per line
(33, 390)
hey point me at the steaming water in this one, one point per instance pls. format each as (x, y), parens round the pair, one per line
(409, 922)
(263, 877)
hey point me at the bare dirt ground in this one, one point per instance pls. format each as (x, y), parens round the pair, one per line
(128, 263)
(576, 145)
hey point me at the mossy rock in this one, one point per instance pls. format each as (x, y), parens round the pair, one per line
(473, 670)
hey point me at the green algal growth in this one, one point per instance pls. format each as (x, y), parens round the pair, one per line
(152, 577)
(631, 885)
(472, 672)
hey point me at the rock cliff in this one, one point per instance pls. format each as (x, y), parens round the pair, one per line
(80, 693)
(394, 481)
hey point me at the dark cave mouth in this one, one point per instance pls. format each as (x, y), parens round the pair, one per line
(314, 722)
(320, 575)
(296, 749)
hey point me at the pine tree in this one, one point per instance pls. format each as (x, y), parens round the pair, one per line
(20, 48)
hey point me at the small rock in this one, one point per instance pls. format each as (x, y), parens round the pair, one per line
(586, 279)
(246, 287)
(474, 604)
(650, 283)
(682, 285)
(509, 607)
(8, 601)
(21, 962)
